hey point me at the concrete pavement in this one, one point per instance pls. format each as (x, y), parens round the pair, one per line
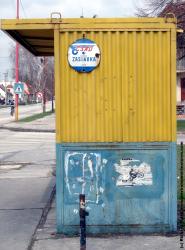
(22, 204)
(46, 124)
(26, 185)
(24, 111)
(46, 238)
(118, 243)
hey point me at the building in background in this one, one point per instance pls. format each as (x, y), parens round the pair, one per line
(178, 9)
(181, 80)
(7, 93)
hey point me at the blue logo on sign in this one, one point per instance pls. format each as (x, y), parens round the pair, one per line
(74, 50)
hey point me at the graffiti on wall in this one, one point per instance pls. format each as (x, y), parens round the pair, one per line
(86, 173)
(83, 175)
(133, 172)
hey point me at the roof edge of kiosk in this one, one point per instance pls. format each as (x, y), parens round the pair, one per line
(37, 35)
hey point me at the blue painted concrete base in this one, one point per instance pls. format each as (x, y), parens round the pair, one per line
(129, 187)
(116, 229)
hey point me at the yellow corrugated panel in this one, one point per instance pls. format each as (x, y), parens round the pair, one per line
(128, 98)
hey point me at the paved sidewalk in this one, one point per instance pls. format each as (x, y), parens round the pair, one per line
(45, 124)
(47, 239)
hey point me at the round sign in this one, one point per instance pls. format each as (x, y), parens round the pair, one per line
(83, 55)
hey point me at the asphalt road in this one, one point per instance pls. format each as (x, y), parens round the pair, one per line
(24, 111)
(26, 182)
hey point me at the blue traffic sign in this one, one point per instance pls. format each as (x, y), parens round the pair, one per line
(18, 88)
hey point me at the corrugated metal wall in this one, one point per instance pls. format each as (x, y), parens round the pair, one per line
(127, 98)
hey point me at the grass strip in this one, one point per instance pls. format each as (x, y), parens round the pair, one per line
(35, 117)
(178, 171)
(180, 125)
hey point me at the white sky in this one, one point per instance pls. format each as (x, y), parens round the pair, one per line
(68, 8)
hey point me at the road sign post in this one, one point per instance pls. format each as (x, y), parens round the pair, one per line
(16, 107)
(18, 89)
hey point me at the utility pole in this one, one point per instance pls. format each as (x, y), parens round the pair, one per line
(5, 81)
(52, 107)
(17, 69)
(44, 72)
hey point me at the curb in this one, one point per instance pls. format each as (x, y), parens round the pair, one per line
(28, 129)
(43, 218)
(48, 130)
(181, 133)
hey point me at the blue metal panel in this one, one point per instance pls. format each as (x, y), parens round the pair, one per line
(129, 187)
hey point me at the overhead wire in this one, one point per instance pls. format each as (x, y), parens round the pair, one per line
(25, 15)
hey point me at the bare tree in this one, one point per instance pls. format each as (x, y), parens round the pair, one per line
(152, 7)
(34, 72)
(161, 8)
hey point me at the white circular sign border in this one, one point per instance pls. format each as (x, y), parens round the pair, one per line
(84, 55)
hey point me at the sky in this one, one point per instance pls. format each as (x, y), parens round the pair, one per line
(67, 8)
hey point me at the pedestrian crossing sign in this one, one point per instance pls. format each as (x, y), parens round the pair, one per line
(18, 88)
